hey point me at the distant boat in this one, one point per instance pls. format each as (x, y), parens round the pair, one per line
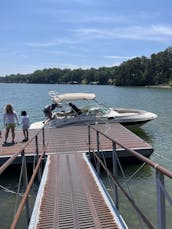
(87, 112)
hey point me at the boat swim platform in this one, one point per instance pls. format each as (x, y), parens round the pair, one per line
(75, 139)
(72, 196)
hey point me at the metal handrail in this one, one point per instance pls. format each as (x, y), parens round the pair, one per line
(138, 155)
(161, 192)
(13, 157)
(29, 186)
(144, 218)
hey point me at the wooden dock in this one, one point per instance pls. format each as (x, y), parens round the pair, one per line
(75, 138)
(71, 195)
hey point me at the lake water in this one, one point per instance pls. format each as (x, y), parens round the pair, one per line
(33, 98)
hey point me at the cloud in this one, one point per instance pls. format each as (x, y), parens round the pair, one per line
(51, 43)
(119, 57)
(39, 44)
(152, 32)
(84, 2)
(83, 35)
(164, 30)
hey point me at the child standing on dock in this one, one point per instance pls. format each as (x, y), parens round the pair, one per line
(25, 125)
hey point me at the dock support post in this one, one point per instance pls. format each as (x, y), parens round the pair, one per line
(25, 182)
(160, 201)
(98, 153)
(115, 172)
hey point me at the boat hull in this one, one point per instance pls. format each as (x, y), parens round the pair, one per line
(135, 119)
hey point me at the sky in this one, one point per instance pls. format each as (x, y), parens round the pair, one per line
(39, 34)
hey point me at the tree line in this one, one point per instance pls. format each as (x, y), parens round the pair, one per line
(139, 71)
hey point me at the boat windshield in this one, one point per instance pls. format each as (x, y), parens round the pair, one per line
(99, 110)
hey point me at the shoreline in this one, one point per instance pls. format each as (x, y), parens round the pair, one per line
(160, 86)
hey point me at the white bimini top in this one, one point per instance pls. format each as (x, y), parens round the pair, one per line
(73, 96)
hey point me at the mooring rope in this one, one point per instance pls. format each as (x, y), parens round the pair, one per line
(10, 191)
(135, 173)
(161, 156)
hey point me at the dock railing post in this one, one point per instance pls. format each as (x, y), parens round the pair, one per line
(37, 156)
(36, 144)
(114, 159)
(115, 172)
(89, 139)
(43, 136)
(25, 182)
(98, 153)
(161, 214)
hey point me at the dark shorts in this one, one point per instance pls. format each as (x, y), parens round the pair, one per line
(10, 125)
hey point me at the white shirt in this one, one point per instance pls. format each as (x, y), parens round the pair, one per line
(25, 120)
(10, 118)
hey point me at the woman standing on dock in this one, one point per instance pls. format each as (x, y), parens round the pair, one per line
(10, 119)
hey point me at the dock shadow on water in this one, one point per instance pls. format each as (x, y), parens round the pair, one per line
(9, 198)
(139, 131)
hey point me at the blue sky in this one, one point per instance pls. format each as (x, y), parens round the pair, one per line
(38, 34)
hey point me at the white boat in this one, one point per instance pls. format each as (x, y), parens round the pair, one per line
(87, 112)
